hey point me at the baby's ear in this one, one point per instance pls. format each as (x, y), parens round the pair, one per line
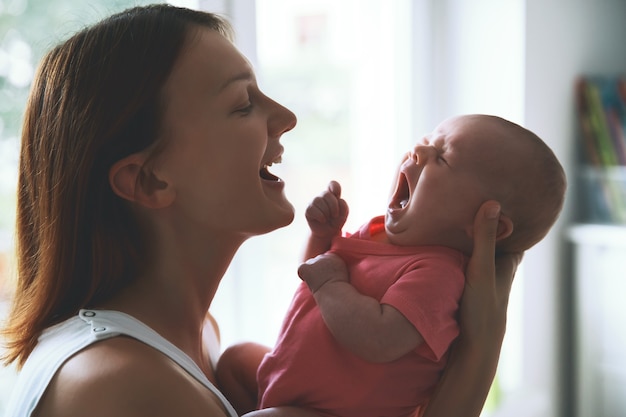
(505, 227)
(130, 181)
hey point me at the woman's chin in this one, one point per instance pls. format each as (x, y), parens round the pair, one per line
(282, 215)
(288, 214)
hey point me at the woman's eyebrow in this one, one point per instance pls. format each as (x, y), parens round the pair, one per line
(244, 76)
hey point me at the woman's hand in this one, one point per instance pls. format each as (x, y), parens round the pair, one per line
(488, 281)
(466, 381)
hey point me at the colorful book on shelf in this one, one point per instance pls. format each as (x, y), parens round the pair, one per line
(615, 112)
(621, 91)
(596, 95)
(601, 107)
(602, 117)
(617, 134)
(588, 135)
(621, 94)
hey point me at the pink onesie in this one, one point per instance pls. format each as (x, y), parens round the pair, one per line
(308, 368)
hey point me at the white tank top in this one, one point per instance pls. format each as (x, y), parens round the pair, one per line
(58, 343)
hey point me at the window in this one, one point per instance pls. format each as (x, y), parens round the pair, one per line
(367, 78)
(344, 68)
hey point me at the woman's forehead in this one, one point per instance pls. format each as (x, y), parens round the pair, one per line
(210, 62)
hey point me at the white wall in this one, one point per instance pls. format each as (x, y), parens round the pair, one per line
(519, 59)
(481, 57)
(564, 38)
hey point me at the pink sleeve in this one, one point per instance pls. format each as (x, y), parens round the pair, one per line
(428, 296)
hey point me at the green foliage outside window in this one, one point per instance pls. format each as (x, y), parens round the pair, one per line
(28, 28)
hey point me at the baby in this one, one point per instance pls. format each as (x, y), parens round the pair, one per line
(368, 330)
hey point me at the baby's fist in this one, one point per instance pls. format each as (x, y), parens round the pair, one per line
(324, 268)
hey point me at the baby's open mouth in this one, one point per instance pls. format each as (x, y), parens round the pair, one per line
(402, 195)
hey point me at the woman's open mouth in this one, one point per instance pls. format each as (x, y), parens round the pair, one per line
(265, 174)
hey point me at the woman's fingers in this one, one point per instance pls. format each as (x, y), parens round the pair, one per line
(481, 268)
(506, 266)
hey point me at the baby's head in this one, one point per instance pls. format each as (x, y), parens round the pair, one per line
(465, 161)
(528, 181)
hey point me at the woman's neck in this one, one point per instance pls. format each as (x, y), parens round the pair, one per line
(174, 294)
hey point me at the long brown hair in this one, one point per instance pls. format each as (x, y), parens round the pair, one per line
(96, 98)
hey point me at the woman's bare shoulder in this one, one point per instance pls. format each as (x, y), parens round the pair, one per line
(124, 377)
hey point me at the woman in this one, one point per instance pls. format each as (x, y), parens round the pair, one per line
(144, 166)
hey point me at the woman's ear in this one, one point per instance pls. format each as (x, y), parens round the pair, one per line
(131, 182)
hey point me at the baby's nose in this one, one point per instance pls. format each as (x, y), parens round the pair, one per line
(421, 153)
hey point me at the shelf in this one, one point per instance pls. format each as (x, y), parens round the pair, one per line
(598, 234)
(599, 314)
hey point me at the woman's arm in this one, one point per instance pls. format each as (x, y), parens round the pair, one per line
(466, 381)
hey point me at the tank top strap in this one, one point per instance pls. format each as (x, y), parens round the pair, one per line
(107, 323)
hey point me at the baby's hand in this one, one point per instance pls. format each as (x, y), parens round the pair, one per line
(327, 213)
(322, 269)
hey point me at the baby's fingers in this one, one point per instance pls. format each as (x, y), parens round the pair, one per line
(327, 203)
(332, 198)
(314, 212)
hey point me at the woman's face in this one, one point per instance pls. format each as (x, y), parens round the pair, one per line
(221, 133)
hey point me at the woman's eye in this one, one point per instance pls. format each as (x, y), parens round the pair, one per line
(245, 110)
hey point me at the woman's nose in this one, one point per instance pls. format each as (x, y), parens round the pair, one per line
(281, 119)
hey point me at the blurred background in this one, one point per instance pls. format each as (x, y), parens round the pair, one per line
(366, 79)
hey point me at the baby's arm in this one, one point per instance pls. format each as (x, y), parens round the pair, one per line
(326, 215)
(375, 332)
(236, 374)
